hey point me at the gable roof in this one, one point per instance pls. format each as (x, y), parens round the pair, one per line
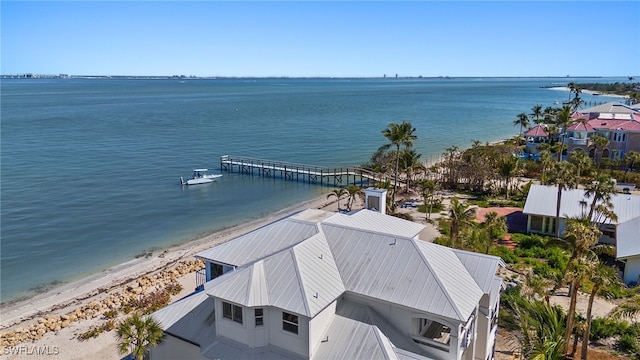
(481, 267)
(542, 201)
(581, 126)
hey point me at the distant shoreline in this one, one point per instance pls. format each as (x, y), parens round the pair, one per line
(193, 77)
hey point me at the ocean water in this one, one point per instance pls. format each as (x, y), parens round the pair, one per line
(90, 168)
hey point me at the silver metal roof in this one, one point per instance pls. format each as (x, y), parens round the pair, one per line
(373, 221)
(628, 235)
(190, 318)
(610, 107)
(260, 242)
(481, 267)
(408, 272)
(303, 279)
(225, 349)
(542, 201)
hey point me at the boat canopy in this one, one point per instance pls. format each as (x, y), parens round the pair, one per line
(201, 170)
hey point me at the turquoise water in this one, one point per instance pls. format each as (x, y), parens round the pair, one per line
(90, 168)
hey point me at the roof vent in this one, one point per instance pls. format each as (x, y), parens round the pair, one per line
(395, 241)
(320, 257)
(316, 295)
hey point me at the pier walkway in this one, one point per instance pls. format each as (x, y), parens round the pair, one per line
(312, 174)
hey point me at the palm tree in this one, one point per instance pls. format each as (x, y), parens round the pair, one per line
(563, 121)
(353, 191)
(410, 165)
(564, 176)
(460, 215)
(630, 308)
(496, 228)
(136, 333)
(507, 167)
(338, 193)
(536, 112)
(427, 188)
(599, 143)
(602, 276)
(633, 157)
(581, 161)
(601, 189)
(548, 114)
(542, 330)
(523, 121)
(399, 135)
(581, 237)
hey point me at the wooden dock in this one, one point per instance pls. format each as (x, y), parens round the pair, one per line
(312, 174)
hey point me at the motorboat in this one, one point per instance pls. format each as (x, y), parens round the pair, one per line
(199, 176)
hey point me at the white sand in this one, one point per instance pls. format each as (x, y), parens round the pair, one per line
(591, 92)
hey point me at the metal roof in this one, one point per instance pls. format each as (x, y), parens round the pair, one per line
(225, 349)
(481, 267)
(628, 243)
(303, 280)
(542, 201)
(404, 271)
(261, 242)
(610, 107)
(373, 221)
(190, 318)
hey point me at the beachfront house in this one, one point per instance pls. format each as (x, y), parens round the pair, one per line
(617, 122)
(540, 208)
(325, 285)
(535, 136)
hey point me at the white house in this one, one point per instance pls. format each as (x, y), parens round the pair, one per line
(540, 209)
(323, 285)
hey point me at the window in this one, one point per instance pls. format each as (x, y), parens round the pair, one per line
(215, 270)
(232, 312)
(536, 223)
(289, 322)
(259, 317)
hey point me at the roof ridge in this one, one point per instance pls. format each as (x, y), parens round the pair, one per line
(342, 226)
(438, 280)
(300, 283)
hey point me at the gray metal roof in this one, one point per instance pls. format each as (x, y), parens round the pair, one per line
(542, 201)
(628, 235)
(260, 242)
(190, 318)
(303, 279)
(481, 267)
(373, 221)
(610, 107)
(225, 349)
(404, 271)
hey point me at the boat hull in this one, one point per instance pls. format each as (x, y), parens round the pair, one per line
(201, 180)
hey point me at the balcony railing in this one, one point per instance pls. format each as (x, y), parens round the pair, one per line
(574, 141)
(201, 278)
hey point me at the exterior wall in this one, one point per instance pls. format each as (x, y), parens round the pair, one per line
(633, 142)
(225, 269)
(173, 348)
(632, 270)
(545, 221)
(319, 324)
(232, 330)
(298, 344)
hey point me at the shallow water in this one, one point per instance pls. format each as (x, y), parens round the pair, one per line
(90, 168)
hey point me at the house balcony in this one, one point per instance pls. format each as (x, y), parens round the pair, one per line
(577, 142)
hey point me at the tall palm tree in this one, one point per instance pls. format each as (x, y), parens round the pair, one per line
(353, 191)
(564, 177)
(338, 193)
(581, 161)
(399, 135)
(427, 188)
(633, 157)
(581, 238)
(536, 112)
(507, 167)
(460, 215)
(136, 333)
(563, 121)
(522, 120)
(599, 143)
(602, 276)
(548, 114)
(601, 189)
(410, 165)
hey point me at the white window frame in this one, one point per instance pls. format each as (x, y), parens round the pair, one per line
(292, 321)
(233, 316)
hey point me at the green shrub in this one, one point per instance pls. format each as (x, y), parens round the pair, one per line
(505, 253)
(605, 328)
(629, 343)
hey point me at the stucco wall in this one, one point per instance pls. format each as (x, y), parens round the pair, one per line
(632, 270)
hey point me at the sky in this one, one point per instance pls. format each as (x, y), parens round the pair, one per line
(321, 39)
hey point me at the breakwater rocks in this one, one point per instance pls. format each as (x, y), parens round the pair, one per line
(112, 301)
